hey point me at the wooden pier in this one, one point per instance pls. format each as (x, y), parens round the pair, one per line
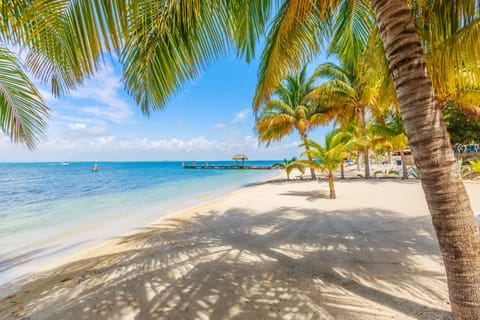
(224, 166)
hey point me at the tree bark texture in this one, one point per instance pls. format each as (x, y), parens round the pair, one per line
(331, 186)
(363, 126)
(455, 226)
(307, 148)
(404, 165)
(358, 160)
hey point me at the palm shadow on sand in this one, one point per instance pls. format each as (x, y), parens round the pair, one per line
(244, 265)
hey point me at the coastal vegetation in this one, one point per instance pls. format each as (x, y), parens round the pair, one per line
(329, 157)
(392, 136)
(426, 50)
(463, 125)
(350, 91)
(289, 166)
(293, 109)
(475, 165)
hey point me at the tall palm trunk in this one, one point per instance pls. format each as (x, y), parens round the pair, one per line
(342, 170)
(358, 160)
(363, 126)
(307, 148)
(331, 186)
(455, 226)
(389, 155)
(404, 165)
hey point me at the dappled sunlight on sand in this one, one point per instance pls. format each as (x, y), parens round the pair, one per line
(246, 262)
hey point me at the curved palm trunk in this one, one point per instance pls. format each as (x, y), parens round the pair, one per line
(307, 148)
(363, 125)
(331, 186)
(404, 165)
(455, 226)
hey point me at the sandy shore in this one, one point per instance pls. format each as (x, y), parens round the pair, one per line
(272, 251)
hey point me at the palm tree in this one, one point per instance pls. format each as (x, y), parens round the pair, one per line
(294, 110)
(163, 44)
(350, 90)
(475, 164)
(392, 135)
(329, 157)
(289, 166)
(452, 216)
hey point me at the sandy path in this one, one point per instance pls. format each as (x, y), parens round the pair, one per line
(274, 251)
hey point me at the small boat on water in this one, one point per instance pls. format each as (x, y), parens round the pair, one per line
(95, 168)
(65, 163)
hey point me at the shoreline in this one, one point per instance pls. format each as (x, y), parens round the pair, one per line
(376, 257)
(159, 213)
(97, 250)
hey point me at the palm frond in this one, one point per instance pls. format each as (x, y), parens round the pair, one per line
(295, 36)
(249, 21)
(70, 37)
(22, 110)
(170, 47)
(354, 21)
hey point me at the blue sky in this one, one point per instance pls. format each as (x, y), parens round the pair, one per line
(209, 119)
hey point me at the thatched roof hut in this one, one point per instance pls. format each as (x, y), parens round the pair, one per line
(240, 156)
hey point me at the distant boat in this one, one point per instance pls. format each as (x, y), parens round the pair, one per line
(65, 163)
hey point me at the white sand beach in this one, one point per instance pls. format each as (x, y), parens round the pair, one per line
(273, 251)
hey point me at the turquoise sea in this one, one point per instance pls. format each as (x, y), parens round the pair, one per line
(52, 210)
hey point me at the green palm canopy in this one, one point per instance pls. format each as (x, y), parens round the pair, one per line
(329, 157)
(293, 110)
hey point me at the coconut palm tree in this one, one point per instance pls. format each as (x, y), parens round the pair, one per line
(421, 112)
(163, 44)
(392, 135)
(293, 110)
(289, 166)
(329, 157)
(350, 90)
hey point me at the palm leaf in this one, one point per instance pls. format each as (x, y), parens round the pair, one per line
(295, 36)
(22, 110)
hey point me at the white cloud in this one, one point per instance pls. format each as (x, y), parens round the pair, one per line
(177, 145)
(241, 116)
(77, 126)
(82, 145)
(106, 90)
(106, 140)
(219, 126)
(116, 114)
(79, 130)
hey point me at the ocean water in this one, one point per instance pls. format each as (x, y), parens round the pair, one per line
(50, 210)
